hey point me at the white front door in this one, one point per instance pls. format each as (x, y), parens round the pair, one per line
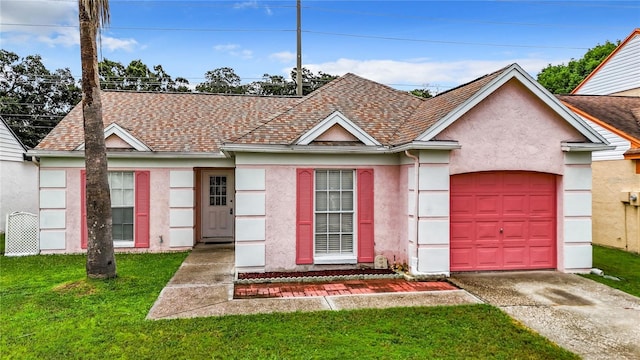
(217, 205)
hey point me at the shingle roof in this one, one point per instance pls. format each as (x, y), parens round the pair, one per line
(620, 112)
(435, 108)
(377, 109)
(177, 122)
(172, 122)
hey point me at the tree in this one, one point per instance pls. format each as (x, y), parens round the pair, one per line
(562, 79)
(278, 85)
(101, 262)
(423, 93)
(312, 82)
(272, 85)
(137, 76)
(222, 81)
(32, 98)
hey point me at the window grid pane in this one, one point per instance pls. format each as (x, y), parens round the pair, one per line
(334, 212)
(218, 191)
(121, 184)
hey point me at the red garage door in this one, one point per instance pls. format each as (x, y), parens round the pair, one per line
(503, 221)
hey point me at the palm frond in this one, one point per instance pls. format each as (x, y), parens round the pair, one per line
(98, 11)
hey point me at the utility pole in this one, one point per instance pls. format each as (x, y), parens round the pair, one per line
(299, 55)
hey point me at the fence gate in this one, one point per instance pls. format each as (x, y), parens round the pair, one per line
(21, 235)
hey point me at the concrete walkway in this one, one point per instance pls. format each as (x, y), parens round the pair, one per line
(203, 286)
(581, 315)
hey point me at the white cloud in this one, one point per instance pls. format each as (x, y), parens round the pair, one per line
(113, 44)
(38, 12)
(234, 50)
(441, 75)
(283, 56)
(26, 21)
(253, 4)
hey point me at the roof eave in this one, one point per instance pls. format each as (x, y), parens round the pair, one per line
(583, 147)
(129, 155)
(301, 149)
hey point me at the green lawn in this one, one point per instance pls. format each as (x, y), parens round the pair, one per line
(621, 264)
(49, 310)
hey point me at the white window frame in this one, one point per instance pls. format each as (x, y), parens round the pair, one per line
(349, 258)
(125, 243)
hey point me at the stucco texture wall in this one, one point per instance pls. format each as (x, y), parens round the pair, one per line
(390, 216)
(509, 130)
(615, 224)
(18, 189)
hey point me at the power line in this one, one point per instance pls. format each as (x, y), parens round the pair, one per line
(388, 38)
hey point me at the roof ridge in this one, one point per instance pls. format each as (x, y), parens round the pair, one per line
(331, 84)
(474, 80)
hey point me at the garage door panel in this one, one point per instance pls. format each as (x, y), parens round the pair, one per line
(515, 205)
(542, 256)
(488, 257)
(515, 257)
(463, 229)
(541, 182)
(515, 230)
(462, 205)
(522, 204)
(542, 204)
(487, 231)
(487, 205)
(542, 229)
(514, 182)
(463, 258)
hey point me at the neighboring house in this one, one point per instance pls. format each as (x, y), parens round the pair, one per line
(616, 172)
(492, 175)
(618, 74)
(18, 176)
(609, 100)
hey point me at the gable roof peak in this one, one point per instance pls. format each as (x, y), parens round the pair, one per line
(466, 97)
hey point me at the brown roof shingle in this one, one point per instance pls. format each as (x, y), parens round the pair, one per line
(377, 109)
(172, 122)
(620, 112)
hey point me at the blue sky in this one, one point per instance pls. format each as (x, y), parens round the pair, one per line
(406, 44)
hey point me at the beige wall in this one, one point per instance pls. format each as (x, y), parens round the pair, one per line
(615, 224)
(632, 92)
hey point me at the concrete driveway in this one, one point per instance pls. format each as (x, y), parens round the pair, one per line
(588, 318)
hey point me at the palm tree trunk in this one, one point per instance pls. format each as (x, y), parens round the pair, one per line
(101, 261)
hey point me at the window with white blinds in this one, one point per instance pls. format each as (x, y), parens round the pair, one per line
(334, 212)
(122, 202)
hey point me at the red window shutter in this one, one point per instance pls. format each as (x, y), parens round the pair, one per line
(304, 217)
(365, 215)
(142, 206)
(83, 209)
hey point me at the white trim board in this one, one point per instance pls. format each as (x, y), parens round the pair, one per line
(115, 129)
(337, 118)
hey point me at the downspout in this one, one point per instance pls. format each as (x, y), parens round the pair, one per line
(416, 194)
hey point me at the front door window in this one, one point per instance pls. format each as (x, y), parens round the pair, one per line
(218, 190)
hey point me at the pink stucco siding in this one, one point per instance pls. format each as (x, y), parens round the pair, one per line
(509, 130)
(390, 216)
